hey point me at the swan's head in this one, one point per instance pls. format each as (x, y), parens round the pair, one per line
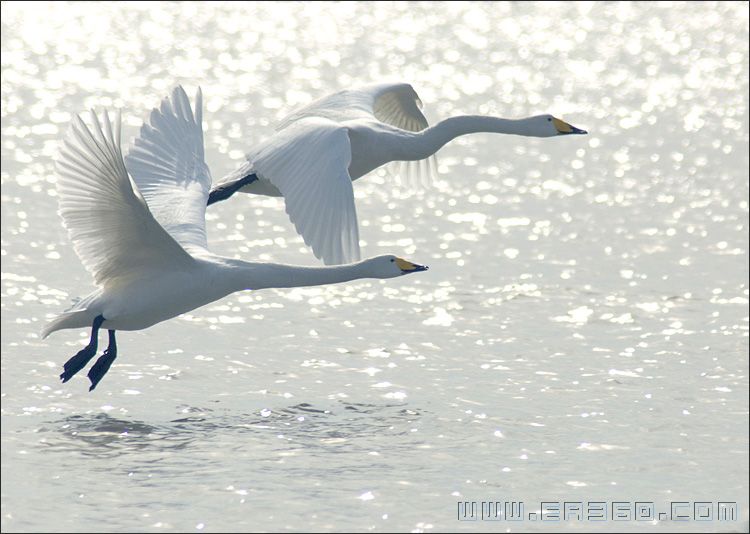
(549, 126)
(390, 266)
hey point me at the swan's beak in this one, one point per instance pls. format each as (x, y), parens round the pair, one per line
(563, 128)
(409, 267)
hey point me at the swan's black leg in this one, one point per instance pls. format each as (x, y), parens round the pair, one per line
(225, 191)
(79, 361)
(100, 368)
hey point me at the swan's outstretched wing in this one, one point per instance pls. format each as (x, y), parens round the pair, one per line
(396, 104)
(112, 229)
(400, 106)
(308, 162)
(167, 164)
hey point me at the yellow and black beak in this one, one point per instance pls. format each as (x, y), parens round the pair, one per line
(409, 267)
(563, 128)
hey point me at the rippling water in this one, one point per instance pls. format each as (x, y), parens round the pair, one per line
(582, 334)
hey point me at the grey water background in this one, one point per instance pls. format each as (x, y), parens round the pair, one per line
(581, 335)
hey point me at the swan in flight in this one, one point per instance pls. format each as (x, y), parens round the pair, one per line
(144, 240)
(320, 149)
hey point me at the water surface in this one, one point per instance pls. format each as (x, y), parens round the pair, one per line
(581, 335)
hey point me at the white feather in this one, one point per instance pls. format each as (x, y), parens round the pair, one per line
(151, 261)
(309, 162)
(167, 164)
(394, 104)
(108, 221)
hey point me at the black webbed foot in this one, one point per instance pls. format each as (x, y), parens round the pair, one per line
(225, 191)
(102, 365)
(79, 361)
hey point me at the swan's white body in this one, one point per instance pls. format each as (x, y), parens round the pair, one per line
(320, 149)
(144, 241)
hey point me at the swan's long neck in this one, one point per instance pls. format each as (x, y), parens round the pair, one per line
(425, 143)
(244, 275)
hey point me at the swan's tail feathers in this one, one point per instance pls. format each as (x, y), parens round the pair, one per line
(73, 319)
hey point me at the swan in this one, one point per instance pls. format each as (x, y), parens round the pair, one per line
(320, 149)
(143, 236)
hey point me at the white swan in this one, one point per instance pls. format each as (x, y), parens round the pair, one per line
(320, 149)
(145, 242)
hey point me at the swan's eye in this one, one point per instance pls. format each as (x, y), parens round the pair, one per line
(549, 119)
(392, 260)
